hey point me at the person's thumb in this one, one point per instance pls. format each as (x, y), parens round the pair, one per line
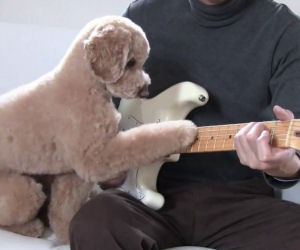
(283, 114)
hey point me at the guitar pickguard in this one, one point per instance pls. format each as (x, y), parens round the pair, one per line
(172, 104)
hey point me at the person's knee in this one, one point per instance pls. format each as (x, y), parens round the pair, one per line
(97, 216)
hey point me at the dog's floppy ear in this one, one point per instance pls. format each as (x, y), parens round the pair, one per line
(107, 50)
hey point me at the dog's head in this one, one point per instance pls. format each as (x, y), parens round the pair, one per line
(116, 51)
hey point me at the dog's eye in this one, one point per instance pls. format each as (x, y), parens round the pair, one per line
(131, 63)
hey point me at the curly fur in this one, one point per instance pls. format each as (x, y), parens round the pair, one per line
(65, 124)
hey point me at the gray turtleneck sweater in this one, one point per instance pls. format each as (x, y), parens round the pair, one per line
(246, 53)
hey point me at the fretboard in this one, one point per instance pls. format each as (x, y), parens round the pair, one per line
(221, 137)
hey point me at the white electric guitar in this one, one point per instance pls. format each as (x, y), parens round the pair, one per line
(174, 104)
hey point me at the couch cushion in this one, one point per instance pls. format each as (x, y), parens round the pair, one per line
(12, 241)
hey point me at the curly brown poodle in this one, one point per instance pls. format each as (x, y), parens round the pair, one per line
(65, 124)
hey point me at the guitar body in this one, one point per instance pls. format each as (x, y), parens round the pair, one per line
(173, 104)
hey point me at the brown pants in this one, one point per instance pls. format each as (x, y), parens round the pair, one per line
(231, 216)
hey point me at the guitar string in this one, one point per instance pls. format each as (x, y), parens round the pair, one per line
(215, 128)
(294, 122)
(224, 141)
(211, 147)
(237, 130)
(267, 123)
(230, 136)
(280, 126)
(227, 141)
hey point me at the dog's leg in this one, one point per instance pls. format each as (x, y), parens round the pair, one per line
(20, 200)
(34, 228)
(136, 147)
(68, 194)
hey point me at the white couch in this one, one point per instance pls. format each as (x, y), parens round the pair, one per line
(11, 241)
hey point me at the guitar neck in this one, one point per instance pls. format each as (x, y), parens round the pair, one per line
(283, 134)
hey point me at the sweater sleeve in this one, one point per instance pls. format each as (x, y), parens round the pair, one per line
(285, 84)
(282, 183)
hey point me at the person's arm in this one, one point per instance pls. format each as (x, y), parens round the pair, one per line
(281, 167)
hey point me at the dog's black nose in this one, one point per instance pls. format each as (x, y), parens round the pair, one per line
(143, 92)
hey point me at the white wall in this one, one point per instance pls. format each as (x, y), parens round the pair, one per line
(293, 4)
(36, 33)
(58, 13)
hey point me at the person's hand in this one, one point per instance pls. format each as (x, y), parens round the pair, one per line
(253, 149)
(115, 182)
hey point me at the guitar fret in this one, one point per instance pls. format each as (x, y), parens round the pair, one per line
(221, 137)
(206, 144)
(233, 140)
(272, 136)
(272, 133)
(199, 143)
(216, 138)
(225, 137)
(289, 130)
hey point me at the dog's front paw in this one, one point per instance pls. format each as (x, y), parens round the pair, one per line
(187, 134)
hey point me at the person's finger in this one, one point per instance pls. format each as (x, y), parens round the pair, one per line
(254, 133)
(242, 148)
(282, 114)
(264, 150)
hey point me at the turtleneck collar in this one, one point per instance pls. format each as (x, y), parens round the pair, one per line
(217, 15)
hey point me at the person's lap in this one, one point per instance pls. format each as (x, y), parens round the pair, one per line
(232, 216)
